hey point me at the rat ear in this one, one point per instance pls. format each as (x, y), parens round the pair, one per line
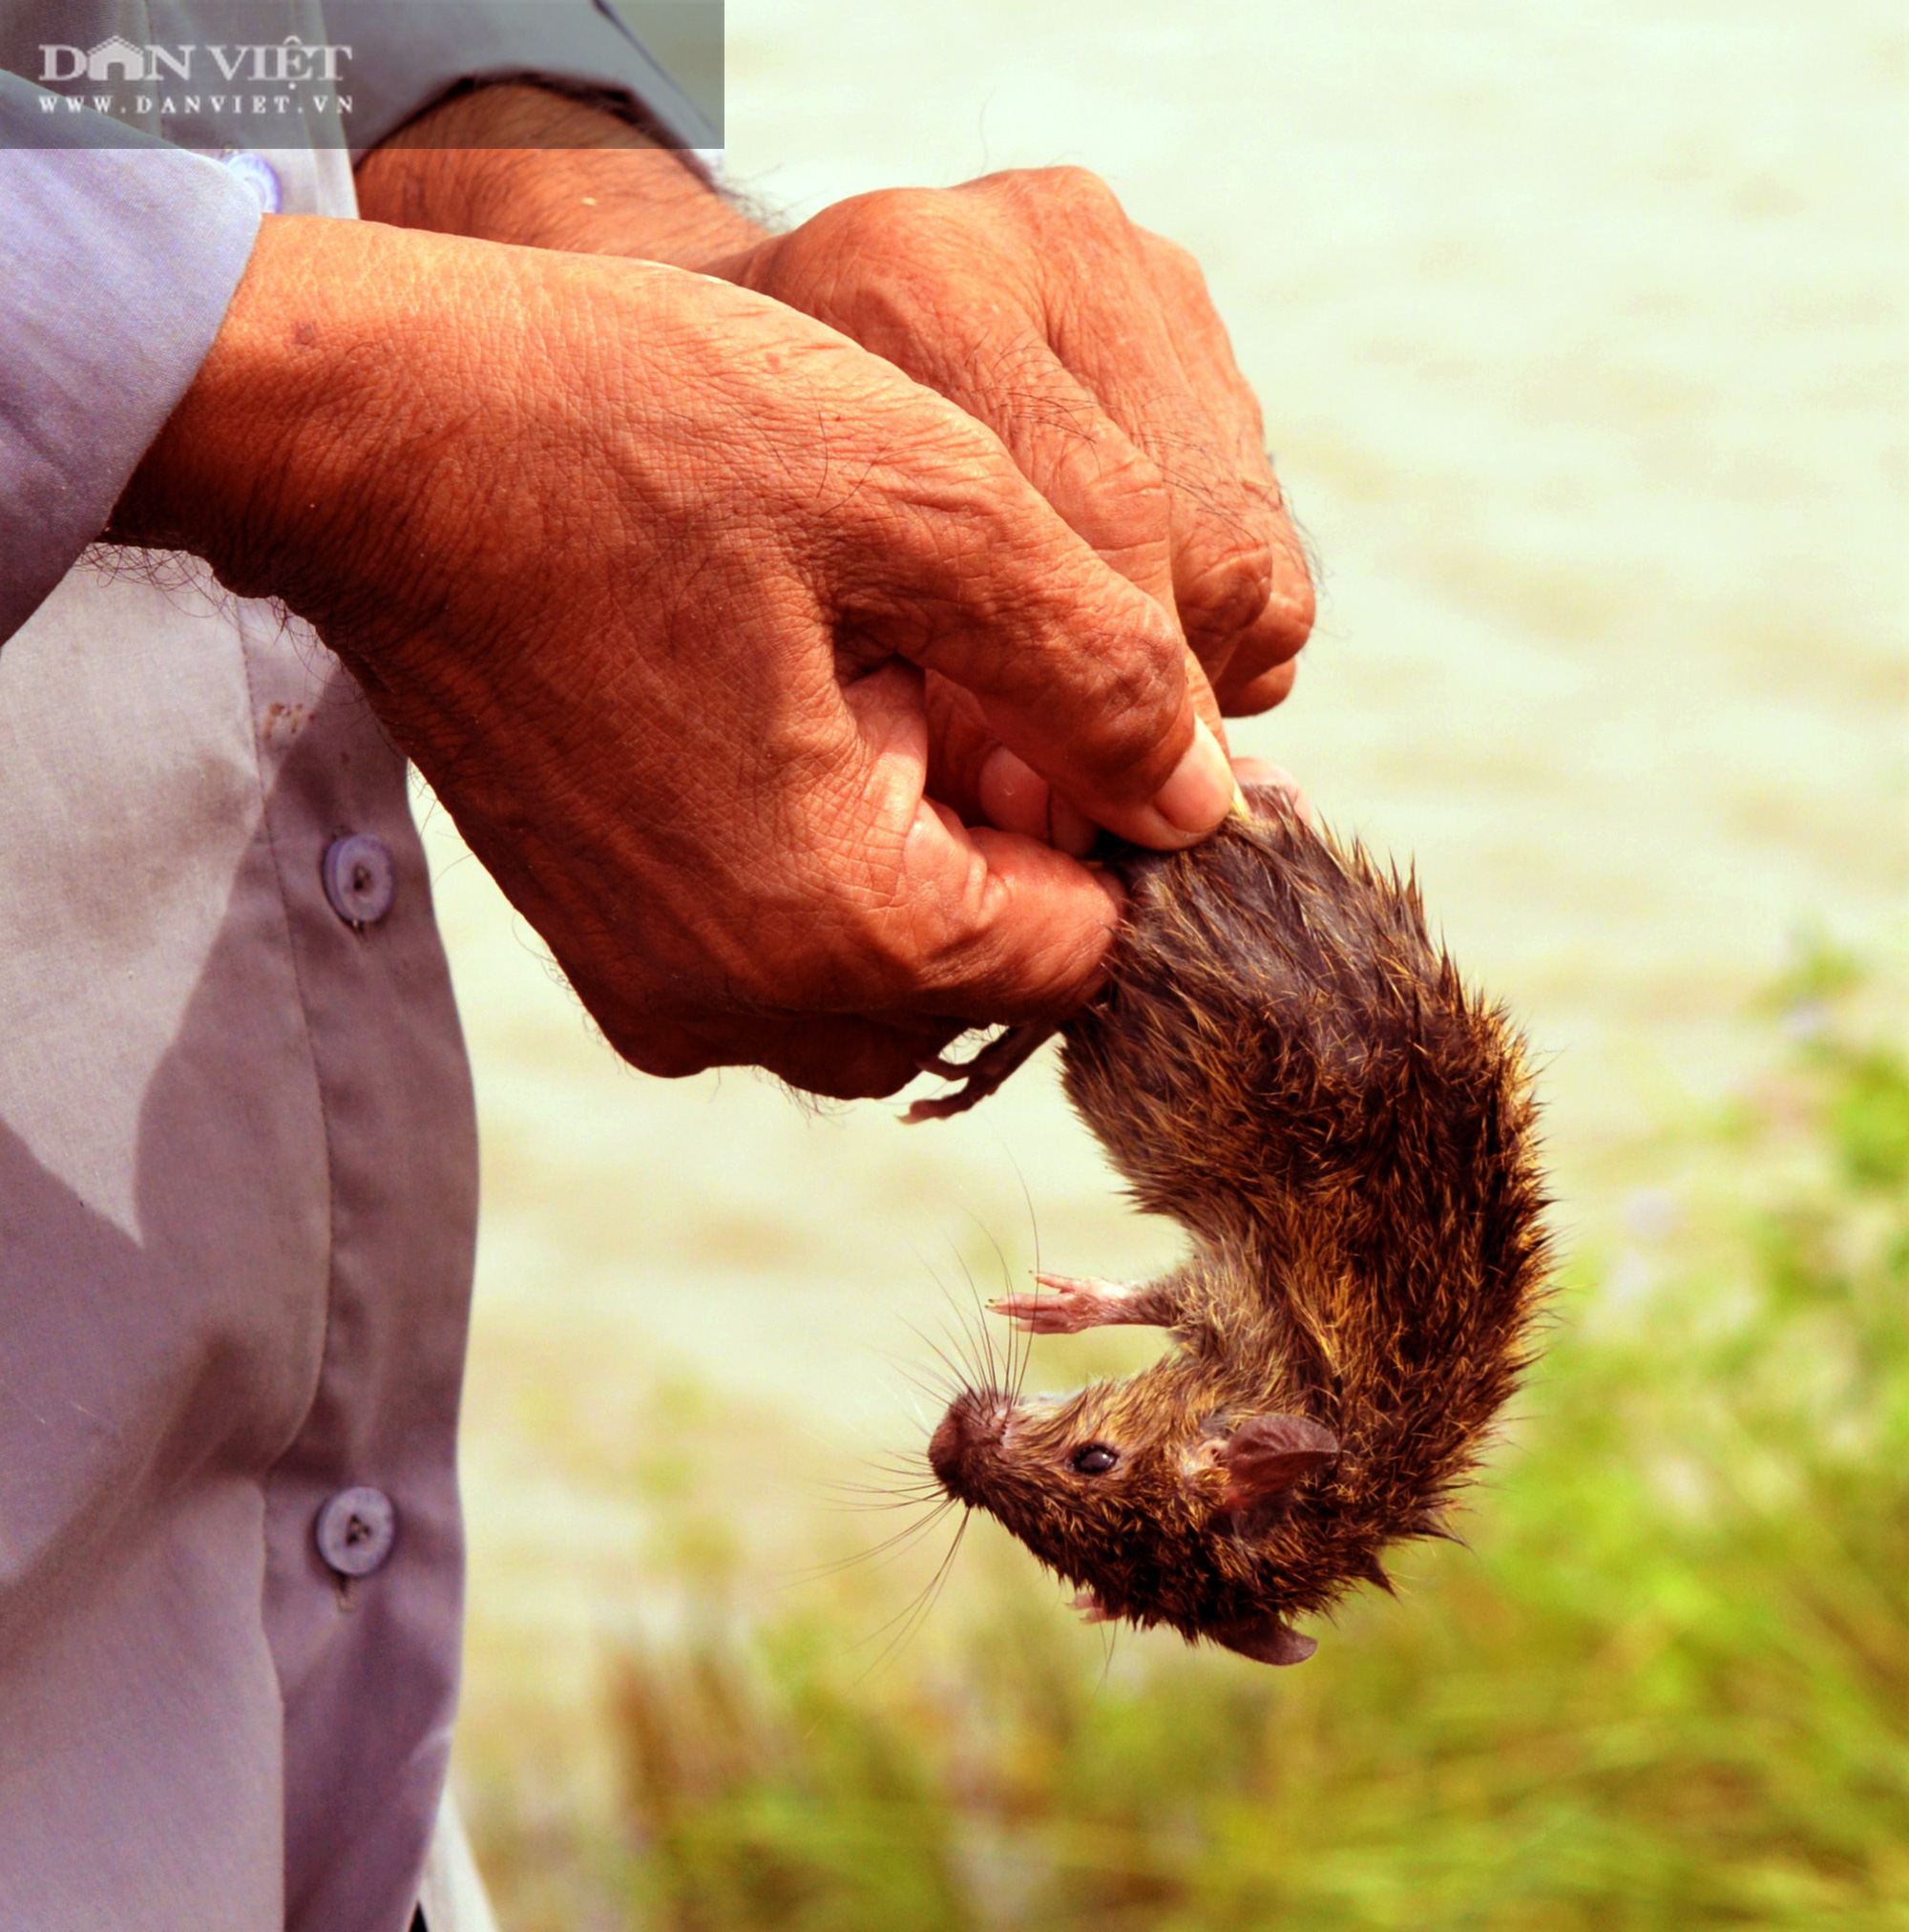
(1267, 1641)
(1266, 1454)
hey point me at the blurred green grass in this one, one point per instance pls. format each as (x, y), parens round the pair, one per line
(1664, 1683)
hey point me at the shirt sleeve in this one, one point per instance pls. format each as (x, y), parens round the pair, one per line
(120, 263)
(405, 53)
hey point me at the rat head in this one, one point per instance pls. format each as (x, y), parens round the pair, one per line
(1167, 1500)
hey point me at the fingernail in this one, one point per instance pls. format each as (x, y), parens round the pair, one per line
(1012, 794)
(1070, 829)
(1268, 776)
(1203, 788)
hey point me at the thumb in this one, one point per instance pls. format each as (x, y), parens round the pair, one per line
(967, 923)
(971, 769)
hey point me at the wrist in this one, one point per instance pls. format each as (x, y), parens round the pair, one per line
(517, 163)
(280, 465)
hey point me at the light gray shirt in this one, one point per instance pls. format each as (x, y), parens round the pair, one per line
(237, 1160)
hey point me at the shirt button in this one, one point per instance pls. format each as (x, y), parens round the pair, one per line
(260, 175)
(360, 878)
(356, 1531)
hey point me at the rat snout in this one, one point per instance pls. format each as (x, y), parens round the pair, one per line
(972, 1429)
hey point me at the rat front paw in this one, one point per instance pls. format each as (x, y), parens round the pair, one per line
(1069, 1307)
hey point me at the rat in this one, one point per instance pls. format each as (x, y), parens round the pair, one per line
(1283, 1062)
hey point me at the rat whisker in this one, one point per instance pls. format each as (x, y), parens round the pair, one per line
(933, 1388)
(982, 1333)
(975, 1344)
(898, 1363)
(898, 1482)
(894, 1469)
(878, 1554)
(964, 1376)
(939, 1580)
(977, 1357)
(1017, 1339)
(868, 1496)
(960, 1371)
(872, 1505)
(967, 1373)
(916, 1613)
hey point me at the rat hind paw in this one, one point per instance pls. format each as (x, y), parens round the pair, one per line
(981, 1075)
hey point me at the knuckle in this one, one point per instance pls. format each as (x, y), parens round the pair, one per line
(950, 940)
(1259, 673)
(842, 248)
(1125, 472)
(1124, 493)
(1293, 609)
(1225, 575)
(918, 212)
(1074, 193)
(1138, 694)
(946, 924)
(1292, 605)
(1180, 266)
(888, 209)
(970, 960)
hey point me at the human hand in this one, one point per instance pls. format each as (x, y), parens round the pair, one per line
(645, 572)
(1092, 349)
(1089, 346)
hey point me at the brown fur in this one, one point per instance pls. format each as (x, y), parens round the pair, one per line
(1286, 1065)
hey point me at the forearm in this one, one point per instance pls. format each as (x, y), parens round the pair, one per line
(296, 449)
(478, 165)
(519, 163)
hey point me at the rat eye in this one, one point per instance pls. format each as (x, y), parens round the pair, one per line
(1095, 1458)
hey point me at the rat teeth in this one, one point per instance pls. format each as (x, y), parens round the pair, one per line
(1092, 1609)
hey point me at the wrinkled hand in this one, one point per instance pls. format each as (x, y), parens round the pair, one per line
(646, 573)
(1092, 349)
(1088, 345)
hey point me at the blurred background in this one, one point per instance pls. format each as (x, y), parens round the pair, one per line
(1579, 330)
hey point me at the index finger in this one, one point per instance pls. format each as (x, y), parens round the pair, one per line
(966, 569)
